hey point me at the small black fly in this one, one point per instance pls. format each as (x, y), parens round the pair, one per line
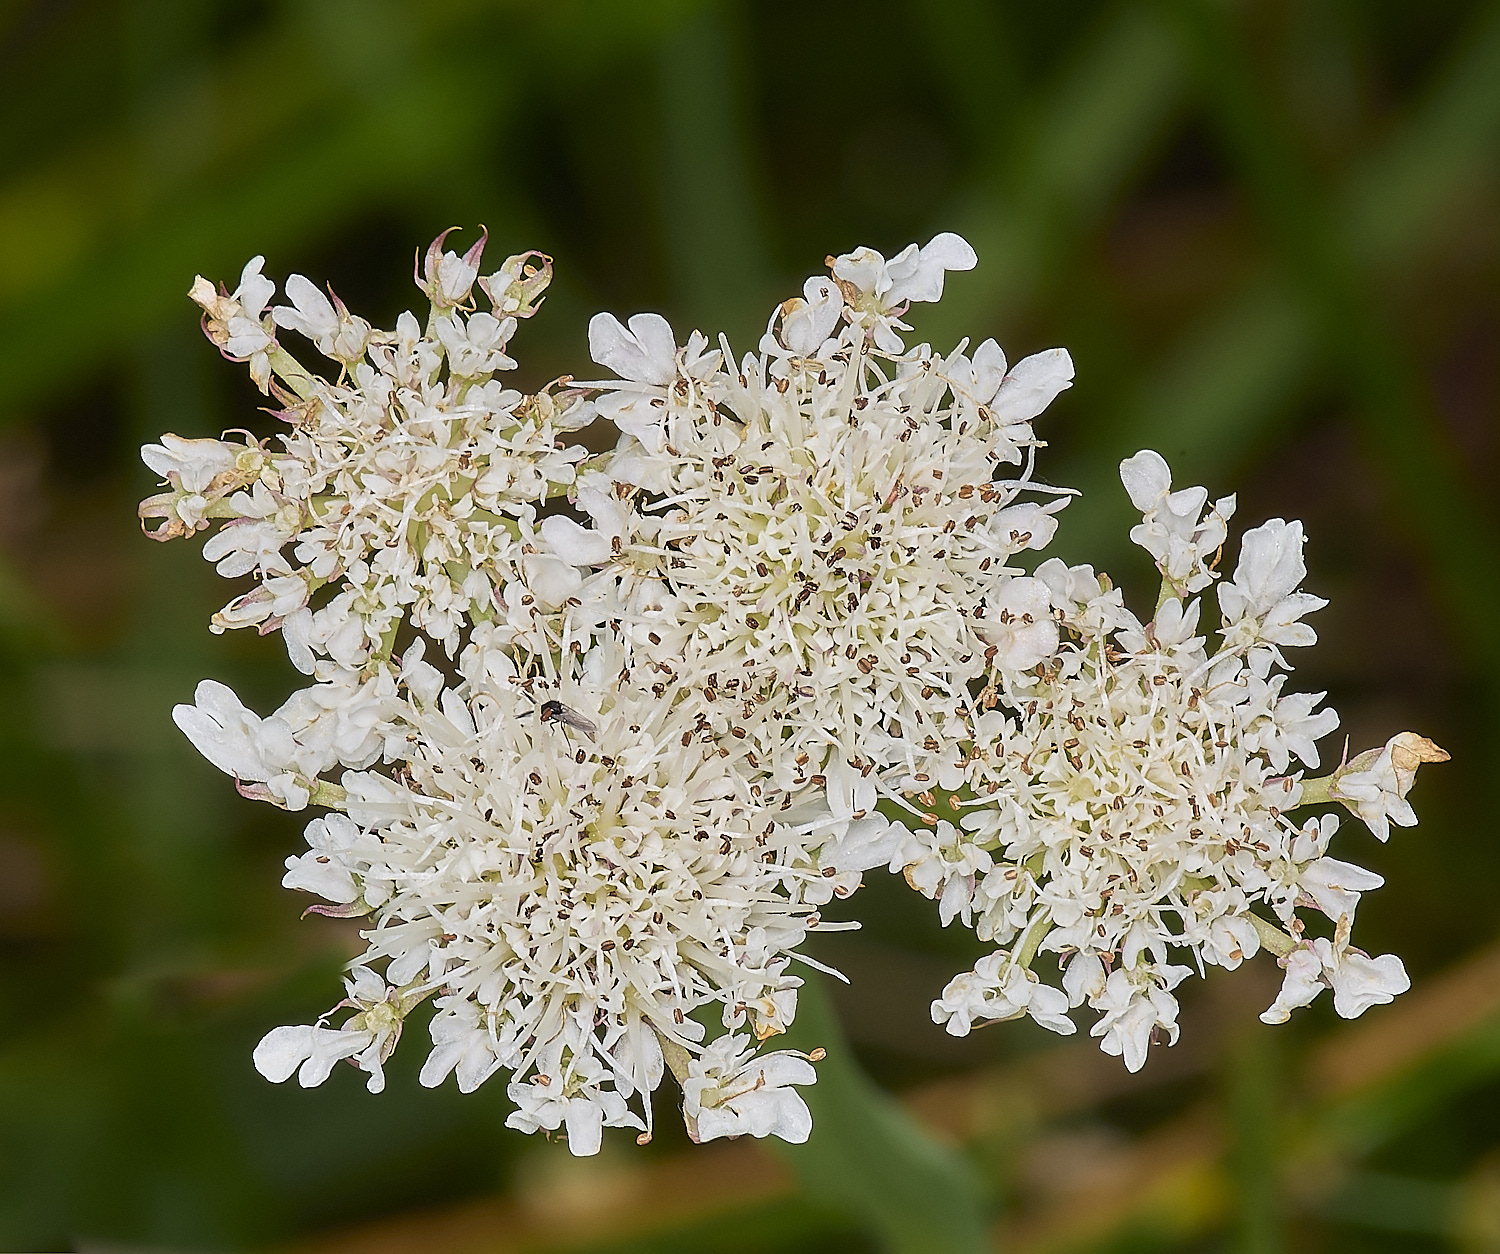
(557, 712)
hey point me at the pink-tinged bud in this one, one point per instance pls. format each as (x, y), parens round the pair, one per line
(516, 288)
(350, 910)
(448, 278)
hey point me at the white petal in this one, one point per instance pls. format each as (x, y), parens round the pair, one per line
(924, 282)
(1147, 478)
(989, 371)
(1031, 385)
(1302, 984)
(585, 1123)
(951, 251)
(644, 354)
(1020, 623)
(576, 545)
(221, 730)
(254, 289)
(1361, 982)
(551, 580)
(870, 842)
(281, 1051)
(1049, 1007)
(313, 313)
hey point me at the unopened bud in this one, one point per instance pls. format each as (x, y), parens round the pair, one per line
(446, 277)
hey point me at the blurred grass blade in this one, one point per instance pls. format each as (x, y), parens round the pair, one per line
(1422, 470)
(1254, 1166)
(1440, 148)
(1065, 157)
(1224, 387)
(868, 1157)
(715, 245)
(367, 114)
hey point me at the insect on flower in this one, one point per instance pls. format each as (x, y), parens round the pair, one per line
(557, 712)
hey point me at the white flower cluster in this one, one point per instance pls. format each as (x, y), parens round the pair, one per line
(1130, 796)
(596, 834)
(656, 749)
(410, 482)
(807, 538)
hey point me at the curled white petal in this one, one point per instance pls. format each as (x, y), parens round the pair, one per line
(646, 353)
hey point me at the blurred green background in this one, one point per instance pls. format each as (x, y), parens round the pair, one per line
(1266, 230)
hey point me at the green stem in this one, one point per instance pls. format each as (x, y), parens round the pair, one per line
(333, 796)
(1036, 932)
(388, 641)
(289, 370)
(676, 1056)
(1317, 792)
(1272, 937)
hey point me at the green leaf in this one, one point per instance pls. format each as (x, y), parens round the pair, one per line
(870, 1159)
